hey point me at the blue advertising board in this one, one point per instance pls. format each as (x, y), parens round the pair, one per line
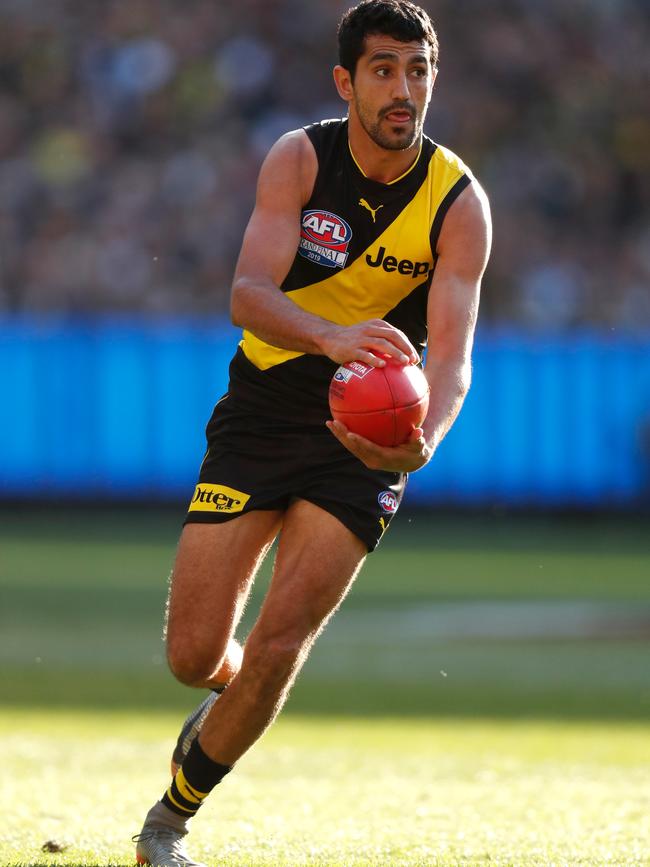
(117, 408)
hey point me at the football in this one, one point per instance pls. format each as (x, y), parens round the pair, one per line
(382, 404)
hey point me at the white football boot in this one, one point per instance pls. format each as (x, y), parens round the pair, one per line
(162, 847)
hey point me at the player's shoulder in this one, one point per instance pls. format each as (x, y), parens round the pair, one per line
(291, 160)
(467, 220)
(444, 157)
(298, 153)
(292, 145)
(306, 139)
(472, 193)
(330, 126)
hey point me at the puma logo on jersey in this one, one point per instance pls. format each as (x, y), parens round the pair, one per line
(402, 266)
(373, 211)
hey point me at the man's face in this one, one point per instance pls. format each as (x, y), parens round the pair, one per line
(391, 90)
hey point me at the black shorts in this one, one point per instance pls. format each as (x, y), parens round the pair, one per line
(255, 462)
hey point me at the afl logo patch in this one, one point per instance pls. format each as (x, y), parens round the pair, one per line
(324, 238)
(388, 502)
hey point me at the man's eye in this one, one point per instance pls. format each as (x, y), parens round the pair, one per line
(382, 70)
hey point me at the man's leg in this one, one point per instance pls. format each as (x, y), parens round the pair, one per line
(213, 573)
(212, 577)
(316, 563)
(200, 549)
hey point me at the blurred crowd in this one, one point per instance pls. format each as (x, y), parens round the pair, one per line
(131, 132)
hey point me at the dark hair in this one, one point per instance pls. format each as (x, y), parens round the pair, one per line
(399, 19)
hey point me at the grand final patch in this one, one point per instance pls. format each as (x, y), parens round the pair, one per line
(324, 238)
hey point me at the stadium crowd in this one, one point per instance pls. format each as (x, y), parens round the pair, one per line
(131, 132)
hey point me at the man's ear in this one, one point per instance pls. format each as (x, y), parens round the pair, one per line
(343, 82)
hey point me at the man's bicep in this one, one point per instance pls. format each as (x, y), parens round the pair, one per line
(463, 252)
(466, 236)
(269, 245)
(273, 232)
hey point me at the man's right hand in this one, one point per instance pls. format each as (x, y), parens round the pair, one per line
(368, 342)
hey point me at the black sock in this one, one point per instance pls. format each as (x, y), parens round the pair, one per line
(195, 779)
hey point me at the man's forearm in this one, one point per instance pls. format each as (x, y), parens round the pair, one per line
(449, 382)
(261, 308)
(264, 310)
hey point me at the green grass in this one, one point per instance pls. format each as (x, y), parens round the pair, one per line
(483, 697)
(338, 792)
(423, 555)
(82, 593)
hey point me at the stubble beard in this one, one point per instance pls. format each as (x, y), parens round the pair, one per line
(401, 138)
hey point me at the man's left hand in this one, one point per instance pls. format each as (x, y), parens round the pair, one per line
(405, 458)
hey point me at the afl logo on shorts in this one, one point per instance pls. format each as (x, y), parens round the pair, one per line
(324, 238)
(388, 502)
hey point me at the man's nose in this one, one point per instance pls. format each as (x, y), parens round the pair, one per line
(400, 89)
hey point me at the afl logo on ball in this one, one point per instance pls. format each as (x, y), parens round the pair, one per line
(388, 501)
(343, 375)
(324, 238)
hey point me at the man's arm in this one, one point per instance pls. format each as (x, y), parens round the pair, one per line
(464, 247)
(463, 250)
(268, 250)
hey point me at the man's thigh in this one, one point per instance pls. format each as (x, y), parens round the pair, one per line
(317, 560)
(213, 572)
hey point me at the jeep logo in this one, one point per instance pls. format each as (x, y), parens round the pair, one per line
(403, 266)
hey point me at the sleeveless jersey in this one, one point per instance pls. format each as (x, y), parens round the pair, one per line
(367, 251)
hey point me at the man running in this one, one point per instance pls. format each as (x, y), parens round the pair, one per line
(367, 240)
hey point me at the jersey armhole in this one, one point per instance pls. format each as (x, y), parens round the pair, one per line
(462, 183)
(317, 178)
(324, 138)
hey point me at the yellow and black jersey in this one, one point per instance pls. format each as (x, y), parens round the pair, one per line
(367, 251)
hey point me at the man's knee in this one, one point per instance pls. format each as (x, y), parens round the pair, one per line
(193, 663)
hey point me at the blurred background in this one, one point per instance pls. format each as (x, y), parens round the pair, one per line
(131, 133)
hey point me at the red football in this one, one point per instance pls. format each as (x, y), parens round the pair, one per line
(382, 404)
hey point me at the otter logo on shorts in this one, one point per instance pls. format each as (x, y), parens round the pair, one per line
(388, 502)
(218, 498)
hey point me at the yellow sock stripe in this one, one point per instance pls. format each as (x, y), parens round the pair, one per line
(186, 790)
(180, 806)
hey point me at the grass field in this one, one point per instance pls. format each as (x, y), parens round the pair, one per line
(482, 698)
